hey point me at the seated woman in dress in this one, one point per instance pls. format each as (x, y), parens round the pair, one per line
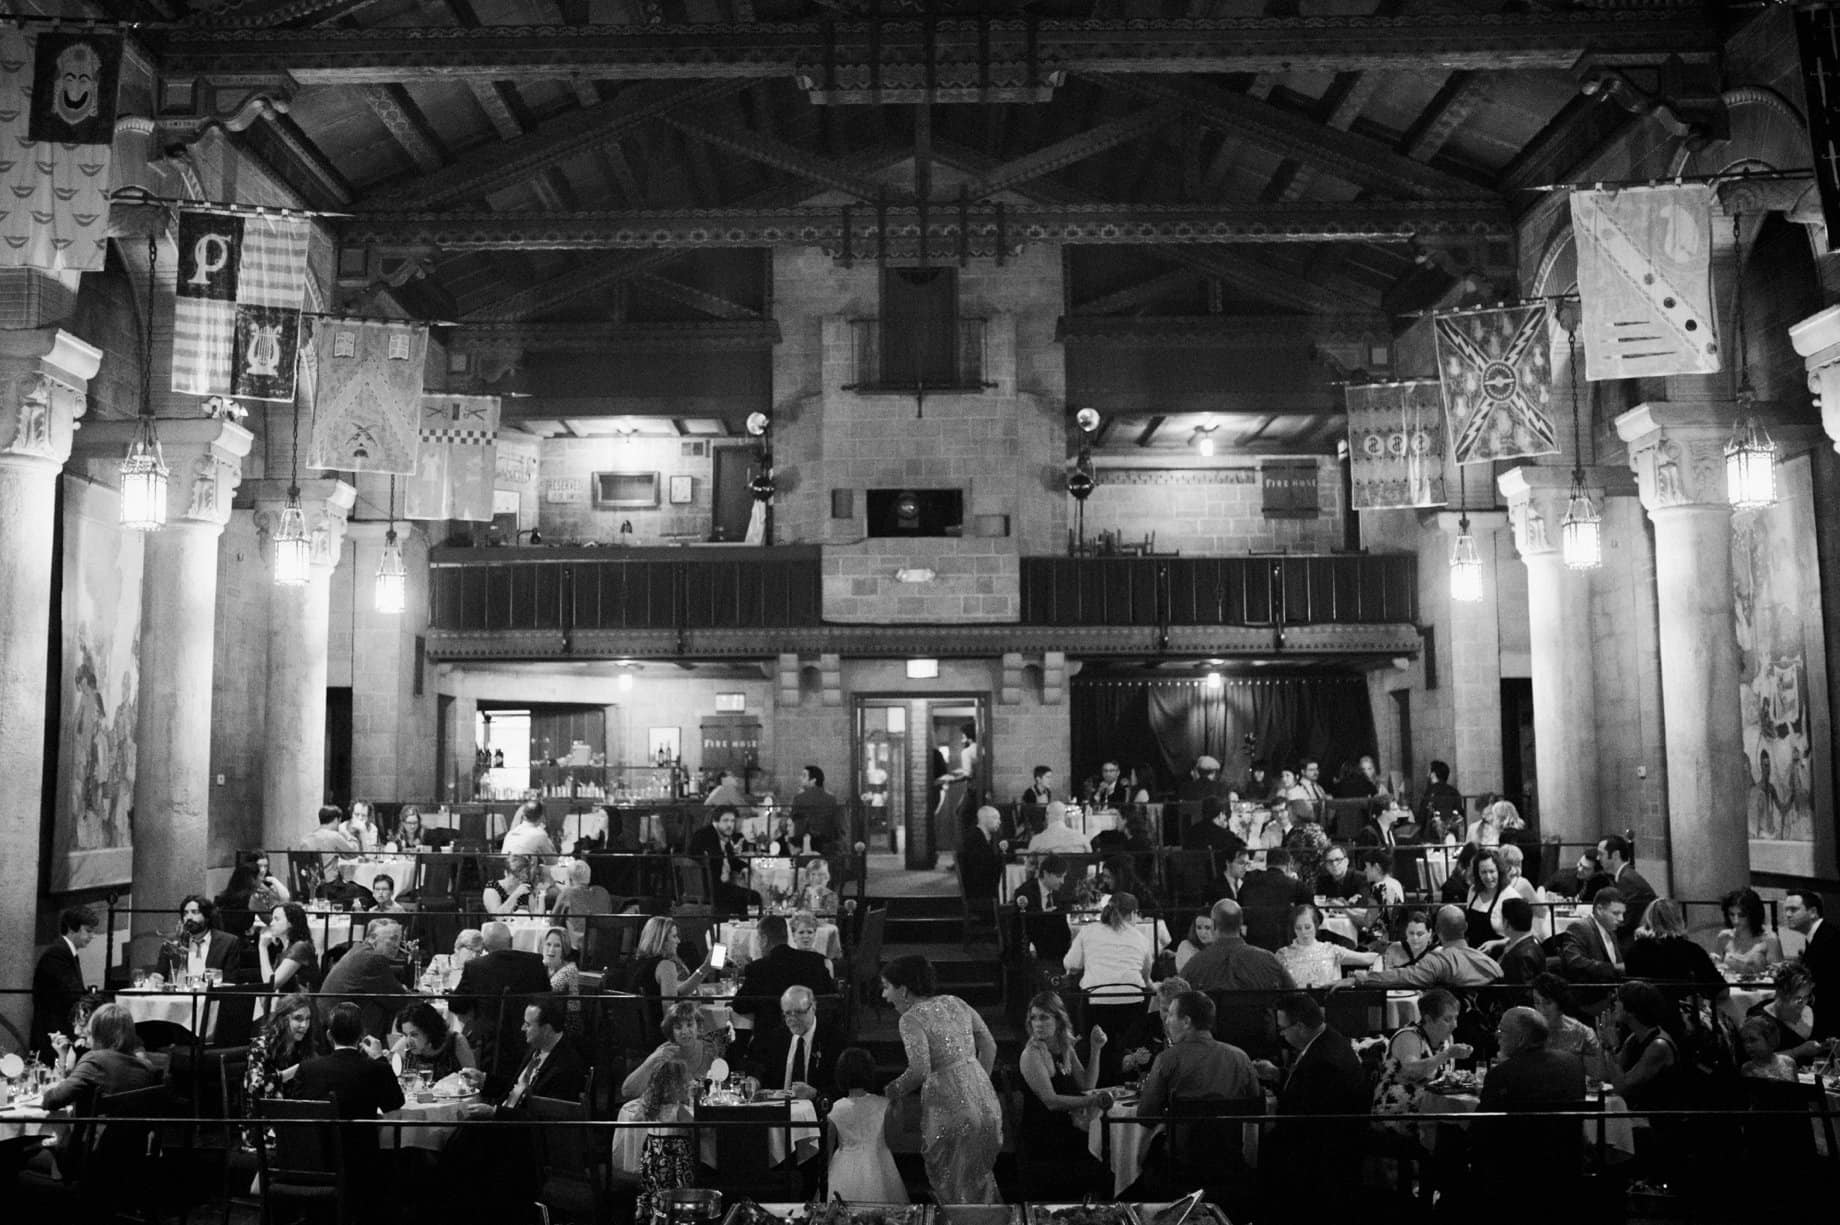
(559, 962)
(1487, 890)
(1758, 1037)
(426, 1044)
(815, 893)
(1551, 997)
(802, 932)
(284, 950)
(1514, 867)
(1417, 1054)
(668, 1160)
(1317, 963)
(1663, 953)
(656, 970)
(1648, 1069)
(1747, 948)
(1789, 1009)
(409, 835)
(289, 1036)
(1059, 1097)
(1200, 935)
(512, 890)
(683, 1041)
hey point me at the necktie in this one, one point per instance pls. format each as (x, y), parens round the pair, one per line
(798, 1059)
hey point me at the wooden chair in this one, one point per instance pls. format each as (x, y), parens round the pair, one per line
(572, 1170)
(301, 1157)
(690, 880)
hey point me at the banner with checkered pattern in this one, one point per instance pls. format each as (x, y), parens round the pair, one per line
(456, 460)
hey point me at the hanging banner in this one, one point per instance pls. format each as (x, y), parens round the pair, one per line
(1496, 368)
(367, 400)
(1818, 32)
(1645, 281)
(457, 459)
(57, 124)
(1396, 444)
(236, 317)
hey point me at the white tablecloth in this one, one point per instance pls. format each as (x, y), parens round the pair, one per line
(1619, 1126)
(629, 1142)
(1401, 1008)
(1014, 875)
(743, 938)
(1130, 1140)
(183, 1008)
(527, 934)
(426, 1125)
(332, 928)
(24, 1118)
(399, 868)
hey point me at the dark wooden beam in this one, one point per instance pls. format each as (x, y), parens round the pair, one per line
(406, 124)
(760, 147)
(1076, 148)
(1542, 40)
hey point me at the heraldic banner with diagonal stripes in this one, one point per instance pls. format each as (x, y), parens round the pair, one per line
(1645, 281)
(1496, 367)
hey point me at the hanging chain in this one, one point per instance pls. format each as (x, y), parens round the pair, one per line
(294, 479)
(153, 259)
(392, 506)
(1571, 338)
(1737, 306)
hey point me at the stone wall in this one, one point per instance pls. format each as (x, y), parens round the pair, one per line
(1211, 512)
(566, 468)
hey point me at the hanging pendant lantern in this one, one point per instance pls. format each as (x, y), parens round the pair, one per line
(1581, 542)
(1750, 466)
(1465, 566)
(144, 478)
(392, 591)
(392, 578)
(143, 471)
(293, 550)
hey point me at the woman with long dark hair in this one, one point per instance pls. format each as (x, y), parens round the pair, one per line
(1747, 947)
(284, 950)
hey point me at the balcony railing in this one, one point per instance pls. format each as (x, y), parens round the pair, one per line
(1303, 590)
(606, 589)
(875, 371)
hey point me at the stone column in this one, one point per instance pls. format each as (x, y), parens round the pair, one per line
(1564, 671)
(1475, 657)
(1678, 454)
(294, 758)
(172, 781)
(44, 383)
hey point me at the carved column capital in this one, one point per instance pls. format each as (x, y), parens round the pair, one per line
(1539, 495)
(204, 454)
(1677, 451)
(327, 505)
(1817, 340)
(44, 392)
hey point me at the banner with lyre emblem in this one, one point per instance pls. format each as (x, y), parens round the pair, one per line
(1496, 368)
(57, 125)
(236, 317)
(457, 459)
(1396, 444)
(1645, 281)
(367, 394)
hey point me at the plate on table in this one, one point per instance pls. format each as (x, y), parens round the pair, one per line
(773, 1095)
(1082, 1214)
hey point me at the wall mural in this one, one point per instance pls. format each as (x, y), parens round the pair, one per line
(91, 842)
(1782, 690)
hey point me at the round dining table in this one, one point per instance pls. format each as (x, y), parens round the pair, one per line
(186, 1009)
(1619, 1126)
(426, 1124)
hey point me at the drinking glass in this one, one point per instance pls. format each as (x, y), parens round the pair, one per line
(424, 1080)
(140, 979)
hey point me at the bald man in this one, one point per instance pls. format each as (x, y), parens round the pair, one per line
(980, 855)
(502, 974)
(1524, 1152)
(795, 1057)
(1452, 964)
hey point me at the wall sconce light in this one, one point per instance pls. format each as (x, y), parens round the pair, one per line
(1215, 680)
(922, 669)
(915, 574)
(1203, 439)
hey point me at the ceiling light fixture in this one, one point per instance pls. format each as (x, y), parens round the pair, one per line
(293, 549)
(1750, 453)
(1581, 542)
(392, 592)
(1465, 562)
(143, 470)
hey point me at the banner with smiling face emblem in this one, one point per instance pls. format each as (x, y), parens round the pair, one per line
(1496, 368)
(57, 121)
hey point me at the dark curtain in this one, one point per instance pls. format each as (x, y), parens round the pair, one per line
(1166, 725)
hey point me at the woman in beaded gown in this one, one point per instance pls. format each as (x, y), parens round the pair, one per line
(949, 1056)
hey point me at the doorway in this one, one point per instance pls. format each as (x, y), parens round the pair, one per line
(733, 500)
(910, 758)
(1519, 773)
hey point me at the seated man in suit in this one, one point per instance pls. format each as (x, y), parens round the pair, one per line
(720, 845)
(367, 972)
(57, 979)
(1619, 859)
(1044, 918)
(1325, 1078)
(1522, 960)
(1588, 950)
(200, 946)
(795, 1057)
(778, 968)
(358, 1078)
(1530, 1079)
(496, 986)
(552, 1068)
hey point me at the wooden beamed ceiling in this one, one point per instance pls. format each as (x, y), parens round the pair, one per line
(1371, 150)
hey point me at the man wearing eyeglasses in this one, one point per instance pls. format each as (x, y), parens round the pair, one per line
(797, 1057)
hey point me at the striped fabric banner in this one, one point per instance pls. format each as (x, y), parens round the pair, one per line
(236, 318)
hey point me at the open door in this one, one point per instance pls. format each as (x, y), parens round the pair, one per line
(734, 501)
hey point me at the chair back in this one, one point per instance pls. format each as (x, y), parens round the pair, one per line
(690, 880)
(1212, 1146)
(631, 1021)
(119, 1165)
(233, 1009)
(305, 1148)
(610, 939)
(743, 1153)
